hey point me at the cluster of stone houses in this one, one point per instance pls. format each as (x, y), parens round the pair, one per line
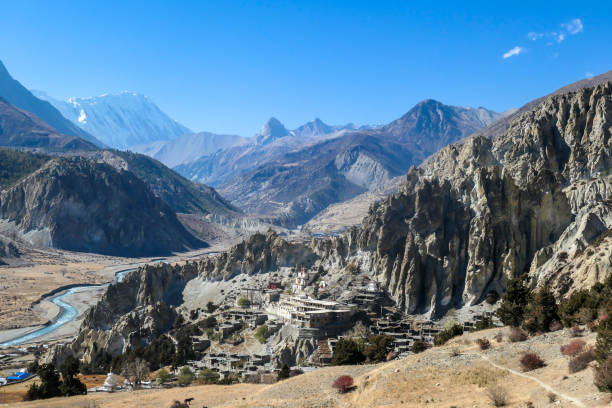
(321, 315)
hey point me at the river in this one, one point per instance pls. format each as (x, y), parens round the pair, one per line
(67, 312)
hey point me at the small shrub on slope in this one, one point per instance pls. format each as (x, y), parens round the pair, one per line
(603, 375)
(498, 396)
(572, 348)
(517, 335)
(483, 343)
(448, 333)
(581, 361)
(531, 361)
(343, 383)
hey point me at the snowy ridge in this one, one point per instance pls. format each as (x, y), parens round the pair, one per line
(119, 120)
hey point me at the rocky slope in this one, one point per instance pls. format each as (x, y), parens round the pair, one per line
(17, 95)
(501, 125)
(77, 204)
(20, 128)
(119, 120)
(299, 185)
(182, 195)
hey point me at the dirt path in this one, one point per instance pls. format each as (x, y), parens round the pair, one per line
(538, 381)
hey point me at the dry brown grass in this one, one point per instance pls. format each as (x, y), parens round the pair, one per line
(482, 375)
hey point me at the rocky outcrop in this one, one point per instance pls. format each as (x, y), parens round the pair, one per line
(259, 254)
(144, 305)
(134, 311)
(77, 204)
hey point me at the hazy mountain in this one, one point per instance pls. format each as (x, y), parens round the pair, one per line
(318, 129)
(17, 95)
(272, 130)
(269, 144)
(298, 185)
(433, 125)
(187, 148)
(20, 128)
(294, 181)
(120, 120)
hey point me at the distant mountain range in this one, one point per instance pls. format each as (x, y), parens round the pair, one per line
(119, 121)
(293, 175)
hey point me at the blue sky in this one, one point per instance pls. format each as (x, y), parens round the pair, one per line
(227, 66)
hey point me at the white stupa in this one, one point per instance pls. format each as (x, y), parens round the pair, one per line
(110, 384)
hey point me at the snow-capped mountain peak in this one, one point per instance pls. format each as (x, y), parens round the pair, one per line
(119, 120)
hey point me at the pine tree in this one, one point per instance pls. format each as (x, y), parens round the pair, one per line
(541, 312)
(283, 373)
(514, 302)
(603, 346)
(70, 384)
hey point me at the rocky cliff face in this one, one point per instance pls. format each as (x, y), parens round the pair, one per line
(77, 204)
(481, 211)
(133, 312)
(259, 254)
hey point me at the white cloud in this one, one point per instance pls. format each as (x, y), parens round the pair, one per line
(535, 36)
(589, 75)
(514, 51)
(573, 27)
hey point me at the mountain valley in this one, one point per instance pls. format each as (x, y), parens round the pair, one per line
(388, 253)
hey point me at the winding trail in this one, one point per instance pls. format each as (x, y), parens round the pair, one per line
(538, 381)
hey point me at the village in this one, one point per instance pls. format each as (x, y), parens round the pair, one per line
(295, 318)
(290, 319)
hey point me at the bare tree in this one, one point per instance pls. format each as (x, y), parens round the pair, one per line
(136, 371)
